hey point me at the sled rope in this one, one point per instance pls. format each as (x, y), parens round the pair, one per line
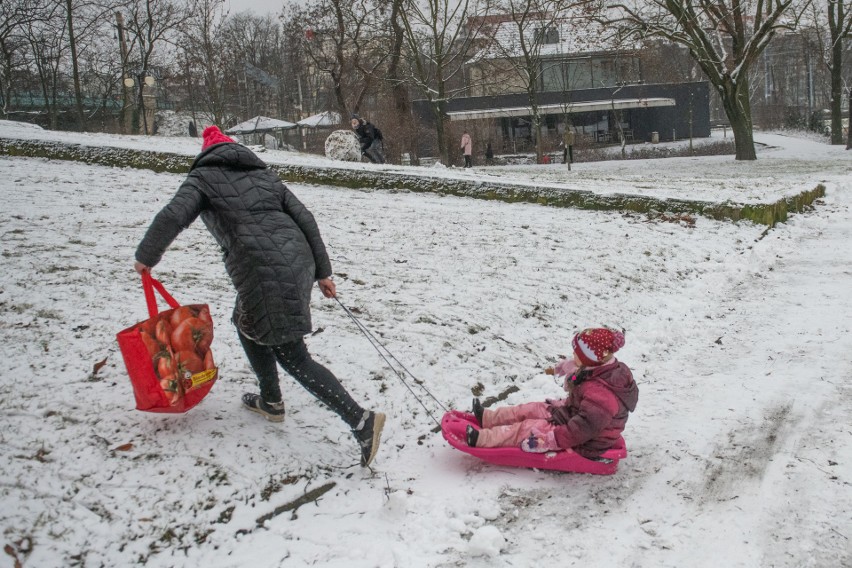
(385, 354)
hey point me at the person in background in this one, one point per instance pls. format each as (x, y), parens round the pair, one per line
(467, 149)
(370, 138)
(568, 143)
(273, 253)
(489, 155)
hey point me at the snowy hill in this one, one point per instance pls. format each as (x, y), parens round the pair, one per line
(740, 450)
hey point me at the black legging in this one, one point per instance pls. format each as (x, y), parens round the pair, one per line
(296, 360)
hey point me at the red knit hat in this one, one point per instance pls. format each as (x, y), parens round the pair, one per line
(595, 344)
(212, 135)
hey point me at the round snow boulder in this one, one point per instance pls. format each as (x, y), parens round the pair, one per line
(486, 541)
(343, 145)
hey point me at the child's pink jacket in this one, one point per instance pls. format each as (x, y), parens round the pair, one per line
(597, 410)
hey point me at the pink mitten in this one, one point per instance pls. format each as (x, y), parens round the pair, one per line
(539, 442)
(565, 368)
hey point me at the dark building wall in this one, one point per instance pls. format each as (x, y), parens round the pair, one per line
(691, 110)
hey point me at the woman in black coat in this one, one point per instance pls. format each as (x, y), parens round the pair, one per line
(273, 253)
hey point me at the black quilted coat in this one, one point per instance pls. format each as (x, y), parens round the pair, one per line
(272, 246)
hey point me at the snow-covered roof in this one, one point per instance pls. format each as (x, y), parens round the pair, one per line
(584, 106)
(327, 118)
(577, 35)
(259, 124)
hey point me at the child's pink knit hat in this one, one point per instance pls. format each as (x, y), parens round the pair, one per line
(595, 344)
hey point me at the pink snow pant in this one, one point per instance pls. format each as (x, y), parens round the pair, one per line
(508, 426)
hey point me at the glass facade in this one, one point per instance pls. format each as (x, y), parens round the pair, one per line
(588, 73)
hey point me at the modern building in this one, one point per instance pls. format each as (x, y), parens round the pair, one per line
(581, 79)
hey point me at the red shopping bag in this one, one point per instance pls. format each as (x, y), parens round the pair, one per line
(168, 356)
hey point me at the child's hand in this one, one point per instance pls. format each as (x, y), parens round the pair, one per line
(550, 371)
(566, 368)
(539, 442)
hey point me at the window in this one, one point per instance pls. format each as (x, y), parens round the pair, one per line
(552, 76)
(578, 73)
(548, 35)
(628, 69)
(603, 72)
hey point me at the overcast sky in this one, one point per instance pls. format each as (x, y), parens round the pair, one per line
(260, 7)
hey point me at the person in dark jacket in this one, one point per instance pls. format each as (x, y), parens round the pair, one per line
(601, 391)
(370, 138)
(273, 253)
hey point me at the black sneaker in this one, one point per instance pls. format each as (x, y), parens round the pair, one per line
(478, 410)
(272, 411)
(369, 435)
(471, 435)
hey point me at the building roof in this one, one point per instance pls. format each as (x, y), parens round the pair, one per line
(578, 34)
(563, 108)
(260, 124)
(327, 118)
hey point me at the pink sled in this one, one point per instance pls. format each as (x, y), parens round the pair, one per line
(454, 425)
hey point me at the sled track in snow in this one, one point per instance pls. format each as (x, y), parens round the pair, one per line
(768, 213)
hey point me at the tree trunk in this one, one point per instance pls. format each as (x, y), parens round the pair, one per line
(127, 94)
(836, 22)
(399, 92)
(441, 132)
(539, 142)
(738, 110)
(340, 98)
(849, 128)
(836, 93)
(78, 95)
(398, 89)
(5, 80)
(53, 104)
(535, 127)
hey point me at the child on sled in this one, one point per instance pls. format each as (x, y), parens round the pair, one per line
(601, 394)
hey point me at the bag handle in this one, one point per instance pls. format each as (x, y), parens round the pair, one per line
(149, 284)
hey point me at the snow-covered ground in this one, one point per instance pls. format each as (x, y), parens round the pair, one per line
(785, 167)
(740, 452)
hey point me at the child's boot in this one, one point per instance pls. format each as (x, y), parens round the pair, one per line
(369, 434)
(478, 410)
(471, 435)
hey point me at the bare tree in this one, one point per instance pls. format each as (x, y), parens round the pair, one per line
(84, 21)
(304, 88)
(151, 24)
(404, 128)
(401, 98)
(833, 17)
(45, 37)
(254, 45)
(725, 37)
(439, 37)
(204, 46)
(338, 40)
(16, 16)
(101, 76)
